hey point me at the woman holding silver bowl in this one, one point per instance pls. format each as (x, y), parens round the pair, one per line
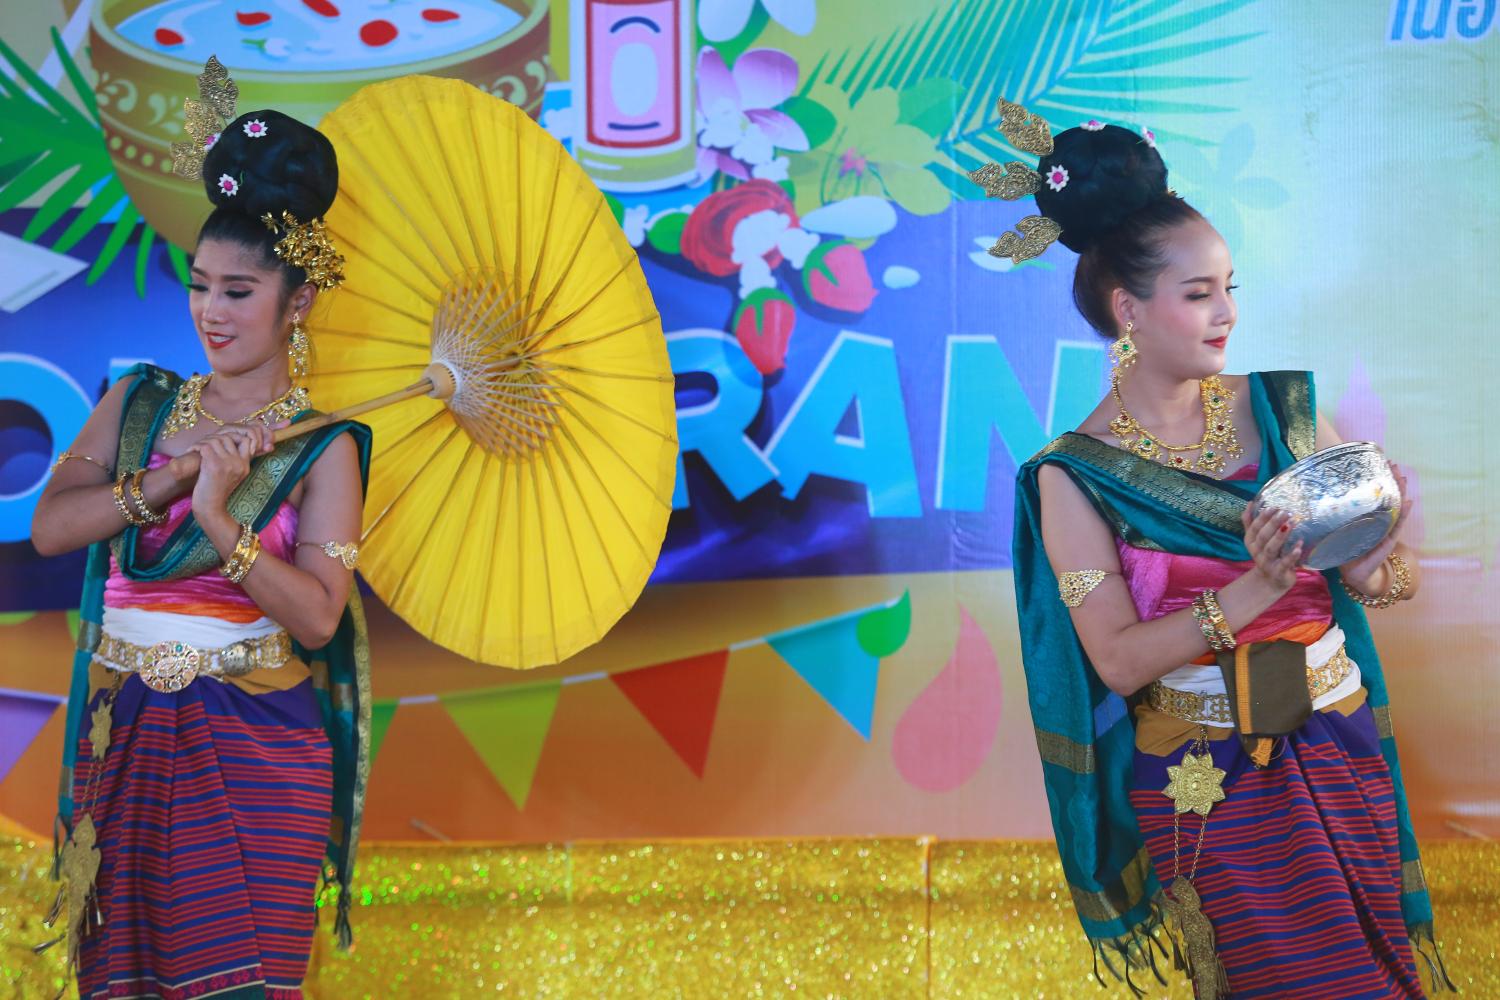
(1210, 712)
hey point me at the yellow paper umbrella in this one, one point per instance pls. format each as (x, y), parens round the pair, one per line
(515, 522)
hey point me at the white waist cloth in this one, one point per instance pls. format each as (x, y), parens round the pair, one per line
(147, 628)
(1209, 679)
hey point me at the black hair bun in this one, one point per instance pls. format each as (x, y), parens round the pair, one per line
(290, 167)
(1112, 172)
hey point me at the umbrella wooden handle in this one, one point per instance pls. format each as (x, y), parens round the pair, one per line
(437, 381)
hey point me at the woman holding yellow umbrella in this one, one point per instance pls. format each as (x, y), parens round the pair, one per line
(215, 711)
(513, 520)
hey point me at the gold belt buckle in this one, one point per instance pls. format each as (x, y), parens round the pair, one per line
(171, 666)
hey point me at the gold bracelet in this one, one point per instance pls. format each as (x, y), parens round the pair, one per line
(345, 552)
(1211, 622)
(1400, 582)
(129, 515)
(68, 456)
(237, 566)
(148, 515)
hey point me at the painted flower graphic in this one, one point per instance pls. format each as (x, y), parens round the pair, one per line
(1057, 178)
(739, 128)
(1092, 125)
(256, 129)
(871, 152)
(229, 185)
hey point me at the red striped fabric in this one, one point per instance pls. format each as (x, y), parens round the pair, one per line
(1301, 870)
(212, 811)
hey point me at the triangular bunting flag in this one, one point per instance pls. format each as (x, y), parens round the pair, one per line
(381, 714)
(681, 700)
(507, 728)
(830, 657)
(22, 716)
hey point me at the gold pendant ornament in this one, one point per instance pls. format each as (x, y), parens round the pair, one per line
(184, 415)
(79, 865)
(1203, 966)
(100, 724)
(188, 407)
(1219, 443)
(1195, 784)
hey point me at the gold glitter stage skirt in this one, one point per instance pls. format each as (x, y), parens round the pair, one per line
(883, 919)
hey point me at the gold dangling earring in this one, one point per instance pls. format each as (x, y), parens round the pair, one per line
(1123, 352)
(297, 350)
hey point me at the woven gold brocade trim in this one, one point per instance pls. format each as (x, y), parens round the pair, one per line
(1170, 487)
(1059, 750)
(1413, 878)
(1115, 901)
(1295, 393)
(1382, 715)
(1192, 706)
(89, 634)
(362, 718)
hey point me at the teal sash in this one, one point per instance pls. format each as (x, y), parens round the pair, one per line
(341, 669)
(1085, 732)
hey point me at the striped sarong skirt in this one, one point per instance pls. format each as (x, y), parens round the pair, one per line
(1301, 872)
(212, 811)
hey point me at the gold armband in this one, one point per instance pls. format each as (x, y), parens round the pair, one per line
(345, 552)
(1076, 584)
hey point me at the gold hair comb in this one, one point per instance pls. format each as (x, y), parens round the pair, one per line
(1031, 134)
(306, 245)
(206, 118)
(1027, 132)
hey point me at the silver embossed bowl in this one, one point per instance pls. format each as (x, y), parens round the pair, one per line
(1344, 500)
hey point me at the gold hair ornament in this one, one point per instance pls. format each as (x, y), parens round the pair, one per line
(1022, 129)
(306, 245)
(1015, 180)
(206, 118)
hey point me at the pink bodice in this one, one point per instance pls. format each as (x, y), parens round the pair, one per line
(1164, 582)
(207, 593)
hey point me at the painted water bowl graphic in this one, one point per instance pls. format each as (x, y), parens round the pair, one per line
(302, 57)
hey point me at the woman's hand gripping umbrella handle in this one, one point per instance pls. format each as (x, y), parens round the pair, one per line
(438, 381)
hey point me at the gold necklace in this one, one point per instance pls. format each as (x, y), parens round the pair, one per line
(1217, 446)
(188, 406)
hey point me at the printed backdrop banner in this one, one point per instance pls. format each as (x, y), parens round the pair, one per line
(857, 379)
